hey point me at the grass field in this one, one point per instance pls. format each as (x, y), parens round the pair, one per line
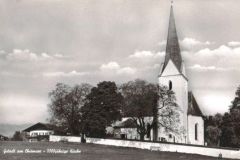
(88, 152)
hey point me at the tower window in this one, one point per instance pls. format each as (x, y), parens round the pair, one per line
(196, 131)
(170, 85)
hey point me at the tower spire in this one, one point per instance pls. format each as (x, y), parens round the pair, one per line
(172, 49)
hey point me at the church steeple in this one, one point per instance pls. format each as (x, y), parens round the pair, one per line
(172, 49)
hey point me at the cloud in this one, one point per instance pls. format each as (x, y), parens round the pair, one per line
(114, 67)
(190, 43)
(198, 67)
(22, 55)
(233, 43)
(110, 66)
(64, 74)
(162, 43)
(45, 55)
(27, 55)
(147, 54)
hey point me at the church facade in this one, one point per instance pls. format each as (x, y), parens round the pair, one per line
(173, 74)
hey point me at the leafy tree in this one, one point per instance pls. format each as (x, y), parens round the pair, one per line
(169, 112)
(213, 129)
(236, 101)
(102, 108)
(65, 105)
(225, 129)
(142, 100)
(17, 136)
(213, 134)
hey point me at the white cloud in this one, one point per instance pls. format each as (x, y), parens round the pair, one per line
(22, 55)
(206, 68)
(233, 43)
(110, 65)
(126, 70)
(146, 54)
(114, 67)
(45, 55)
(58, 55)
(190, 43)
(162, 43)
(27, 55)
(64, 74)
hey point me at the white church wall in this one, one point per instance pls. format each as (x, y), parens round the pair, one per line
(56, 138)
(169, 147)
(192, 121)
(180, 88)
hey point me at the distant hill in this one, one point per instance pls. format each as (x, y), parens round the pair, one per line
(9, 129)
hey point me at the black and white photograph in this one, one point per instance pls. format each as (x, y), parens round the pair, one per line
(119, 79)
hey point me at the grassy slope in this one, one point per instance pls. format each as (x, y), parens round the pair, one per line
(90, 152)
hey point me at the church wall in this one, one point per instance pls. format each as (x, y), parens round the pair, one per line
(169, 147)
(180, 88)
(192, 121)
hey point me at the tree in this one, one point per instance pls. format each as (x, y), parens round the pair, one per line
(141, 101)
(102, 108)
(213, 130)
(65, 105)
(213, 135)
(17, 136)
(236, 101)
(169, 112)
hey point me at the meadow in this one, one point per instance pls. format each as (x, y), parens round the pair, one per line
(76, 151)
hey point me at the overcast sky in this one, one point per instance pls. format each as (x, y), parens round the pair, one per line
(43, 42)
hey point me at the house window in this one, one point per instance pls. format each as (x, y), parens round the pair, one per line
(170, 85)
(196, 131)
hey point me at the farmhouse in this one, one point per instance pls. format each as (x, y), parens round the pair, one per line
(172, 74)
(3, 138)
(40, 132)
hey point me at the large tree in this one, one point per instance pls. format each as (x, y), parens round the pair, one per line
(213, 129)
(224, 130)
(141, 102)
(17, 136)
(102, 108)
(65, 105)
(236, 101)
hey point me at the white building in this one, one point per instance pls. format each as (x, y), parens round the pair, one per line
(39, 132)
(173, 75)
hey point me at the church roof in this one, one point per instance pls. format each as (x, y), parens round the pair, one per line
(172, 49)
(193, 108)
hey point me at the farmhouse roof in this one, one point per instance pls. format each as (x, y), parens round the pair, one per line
(42, 126)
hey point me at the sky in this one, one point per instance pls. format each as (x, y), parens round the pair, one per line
(43, 42)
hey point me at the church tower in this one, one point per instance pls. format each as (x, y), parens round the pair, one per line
(173, 75)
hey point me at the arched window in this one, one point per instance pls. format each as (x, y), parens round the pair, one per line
(170, 85)
(196, 131)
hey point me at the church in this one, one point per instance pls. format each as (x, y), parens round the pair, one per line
(172, 74)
